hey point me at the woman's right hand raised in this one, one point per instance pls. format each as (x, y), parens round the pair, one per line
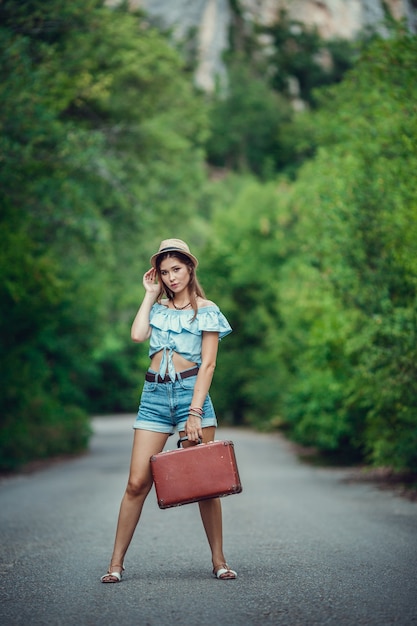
(151, 282)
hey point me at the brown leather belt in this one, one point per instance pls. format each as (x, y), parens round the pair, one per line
(156, 378)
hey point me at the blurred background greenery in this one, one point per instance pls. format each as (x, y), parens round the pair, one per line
(305, 224)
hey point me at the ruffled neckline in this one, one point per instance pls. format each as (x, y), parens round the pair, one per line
(208, 318)
(165, 307)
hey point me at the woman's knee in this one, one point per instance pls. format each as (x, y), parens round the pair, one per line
(138, 486)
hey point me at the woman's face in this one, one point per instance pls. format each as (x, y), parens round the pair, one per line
(175, 274)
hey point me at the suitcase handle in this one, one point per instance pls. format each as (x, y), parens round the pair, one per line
(181, 439)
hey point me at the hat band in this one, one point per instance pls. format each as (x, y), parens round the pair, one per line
(171, 248)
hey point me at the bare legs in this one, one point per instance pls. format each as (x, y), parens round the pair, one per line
(145, 444)
(211, 515)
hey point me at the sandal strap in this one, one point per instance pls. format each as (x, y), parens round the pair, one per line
(114, 573)
(223, 568)
(116, 565)
(220, 566)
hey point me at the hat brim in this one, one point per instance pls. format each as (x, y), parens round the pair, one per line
(166, 250)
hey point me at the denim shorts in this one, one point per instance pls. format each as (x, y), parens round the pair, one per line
(164, 407)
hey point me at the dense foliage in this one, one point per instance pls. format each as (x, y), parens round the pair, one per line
(100, 148)
(102, 154)
(321, 275)
(272, 72)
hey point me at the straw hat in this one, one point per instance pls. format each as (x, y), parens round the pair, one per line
(173, 245)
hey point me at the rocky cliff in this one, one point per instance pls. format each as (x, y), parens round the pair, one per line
(210, 21)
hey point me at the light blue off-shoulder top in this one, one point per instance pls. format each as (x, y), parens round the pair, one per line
(177, 331)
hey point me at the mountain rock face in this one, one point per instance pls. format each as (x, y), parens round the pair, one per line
(209, 22)
(206, 21)
(332, 18)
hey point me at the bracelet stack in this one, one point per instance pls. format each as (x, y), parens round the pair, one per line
(196, 411)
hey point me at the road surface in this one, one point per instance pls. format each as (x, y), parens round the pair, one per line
(310, 547)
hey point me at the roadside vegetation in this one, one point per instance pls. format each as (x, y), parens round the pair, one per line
(306, 221)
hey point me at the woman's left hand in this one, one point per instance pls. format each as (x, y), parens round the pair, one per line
(193, 428)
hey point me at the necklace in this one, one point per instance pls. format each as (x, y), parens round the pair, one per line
(180, 308)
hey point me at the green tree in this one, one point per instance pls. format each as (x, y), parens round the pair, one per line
(254, 126)
(242, 264)
(301, 53)
(357, 220)
(101, 141)
(246, 122)
(318, 276)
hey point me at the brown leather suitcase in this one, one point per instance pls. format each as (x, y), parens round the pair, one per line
(207, 470)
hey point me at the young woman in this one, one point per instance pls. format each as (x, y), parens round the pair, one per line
(184, 330)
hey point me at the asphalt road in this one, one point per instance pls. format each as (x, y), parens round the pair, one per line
(309, 546)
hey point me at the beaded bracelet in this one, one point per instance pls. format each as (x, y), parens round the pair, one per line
(196, 411)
